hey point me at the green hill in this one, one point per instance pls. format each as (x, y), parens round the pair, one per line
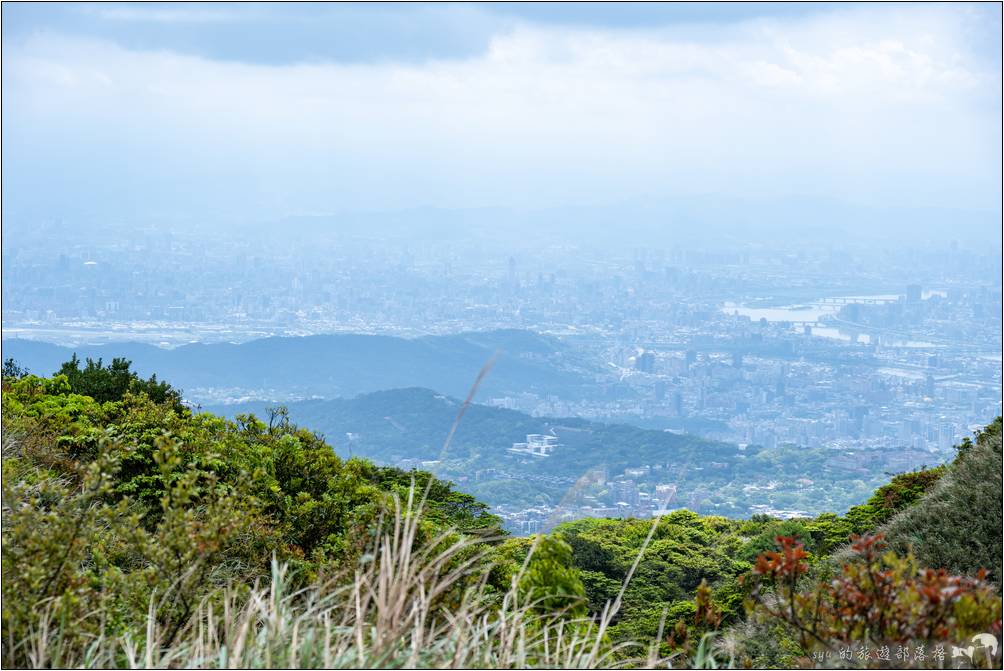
(137, 533)
(109, 503)
(949, 518)
(409, 427)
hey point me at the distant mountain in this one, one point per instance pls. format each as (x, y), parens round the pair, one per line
(389, 426)
(341, 365)
(408, 427)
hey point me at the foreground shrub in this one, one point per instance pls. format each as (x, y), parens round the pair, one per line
(112, 382)
(880, 605)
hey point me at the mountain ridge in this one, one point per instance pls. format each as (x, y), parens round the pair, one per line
(408, 427)
(341, 365)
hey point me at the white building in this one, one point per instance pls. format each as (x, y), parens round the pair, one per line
(537, 444)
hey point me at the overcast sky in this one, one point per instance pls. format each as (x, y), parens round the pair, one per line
(265, 110)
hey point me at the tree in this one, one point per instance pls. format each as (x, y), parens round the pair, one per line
(112, 382)
(13, 370)
(551, 583)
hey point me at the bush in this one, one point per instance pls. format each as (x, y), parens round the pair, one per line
(550, 583)
(902, 492)
(879, 602)
(112, 382)
(958, 525)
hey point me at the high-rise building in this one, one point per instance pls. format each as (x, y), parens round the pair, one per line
(660, 390)
(946, 436)
(645, 362)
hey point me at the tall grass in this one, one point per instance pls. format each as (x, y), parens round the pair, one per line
(405, 605)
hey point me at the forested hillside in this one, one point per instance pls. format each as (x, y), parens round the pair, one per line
(136, 533)
(712, 477)
(686, 550)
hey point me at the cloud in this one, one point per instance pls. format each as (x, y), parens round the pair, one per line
(867, 105)
(771, 74)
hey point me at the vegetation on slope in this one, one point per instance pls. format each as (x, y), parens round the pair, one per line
(115, 508)
(689, 549)
(138, 533)
(710, 477)
(957, 525)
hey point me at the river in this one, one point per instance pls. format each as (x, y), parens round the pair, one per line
(812, 313)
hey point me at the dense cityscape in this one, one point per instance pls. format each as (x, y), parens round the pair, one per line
(813, 346)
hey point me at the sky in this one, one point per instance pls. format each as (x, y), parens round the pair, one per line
(230, 111)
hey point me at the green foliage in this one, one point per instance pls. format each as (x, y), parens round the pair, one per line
(550, 583)
(446, 505)
(114, 381)
(116, 506)
(13, 370)
(688, 549)
(903, 491)
(879, 599)
(957, 526)
(124, 512)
